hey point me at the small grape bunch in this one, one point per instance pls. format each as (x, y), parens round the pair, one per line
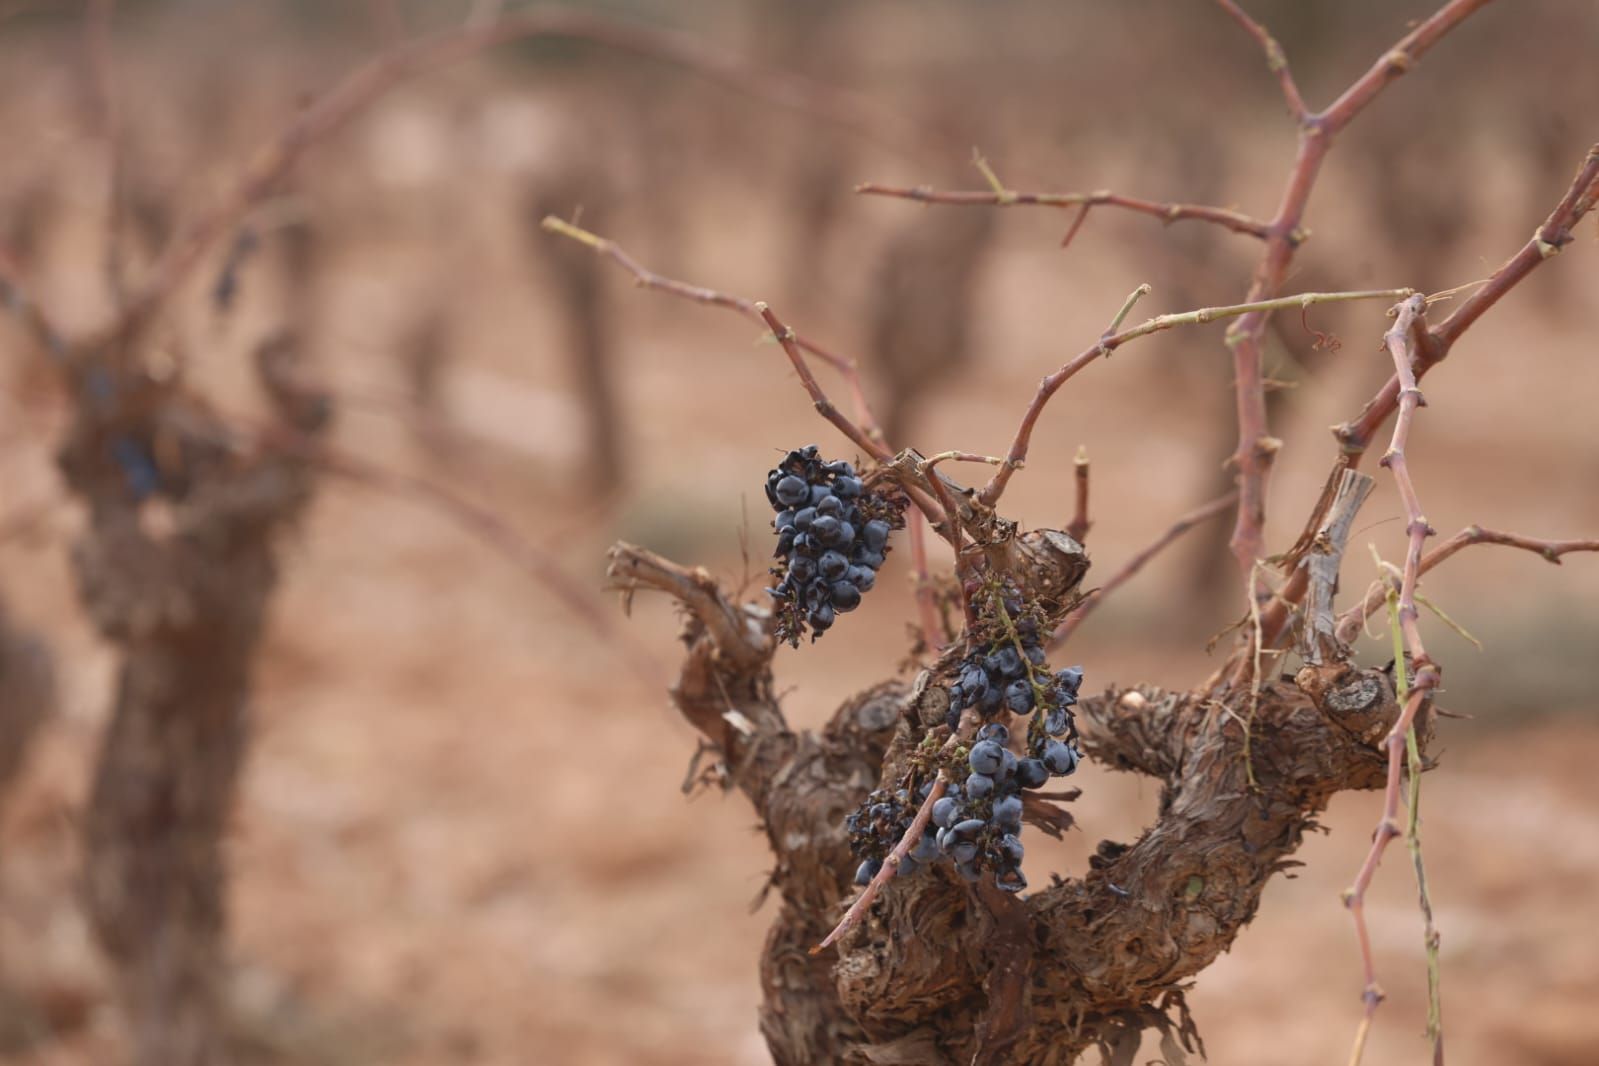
(832, 537)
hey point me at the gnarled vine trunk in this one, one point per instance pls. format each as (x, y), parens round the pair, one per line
(943, 972)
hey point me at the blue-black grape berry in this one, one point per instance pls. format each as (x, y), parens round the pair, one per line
(832, 536)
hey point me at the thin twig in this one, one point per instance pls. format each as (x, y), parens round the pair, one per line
(1351, 621)
(648, 279)
(1257, 448)
(857, 910)
(1051, 384)
(1133, 565)
(1276, 61)
(1083, 201)
(1555, 233)
(1354, 436)
(1402, 342)
(1080, 524)
(824, 406)
(101, 70)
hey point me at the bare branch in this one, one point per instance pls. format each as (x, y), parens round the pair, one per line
(1051, 384)
(1318, 641)
(648, 279)
(1402, 341)
(1276, 61)
(1256, 447)
(1166, 212)
(1351, 621)
(1554, 234)
(1132, 566)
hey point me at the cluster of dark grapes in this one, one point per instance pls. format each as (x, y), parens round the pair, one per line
(832, 536)
(977, 822)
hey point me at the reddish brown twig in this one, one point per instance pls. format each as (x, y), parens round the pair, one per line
(1276, 61)
(1352, 620)
(1111, 341)
(1402, 342)
(1354, 435)
(1133, 565)
(1554, 234)
(645, 278)
(857, 910)
(335, 109)
(1256, 447)
(1080, 524)
(824, 406)
(913, 833)
(1083, 201)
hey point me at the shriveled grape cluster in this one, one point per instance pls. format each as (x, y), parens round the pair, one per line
(832, 537)
(977, 822)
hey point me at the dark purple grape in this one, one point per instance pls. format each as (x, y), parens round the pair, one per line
(867, 870)
(832, 565)
(1035, 655)
(1008, 810)
(995, 732)
(862, 578)
(1056, 721)
(791, 490)
(831, 506)
(840, 468)
(1019, 696)
(907, 867)
(784, 520)
(1010, 663)
(1071, 679)
(926, 849)
(986, 757)
(1060, 759)
(785, 542)
(803, 518)
(963, 852)
(966, 830)
(945, 810)
(846, 535)
(820, 617)
(819, 493)
(1010, 849)
(873, 559)
(825, 529)
(802, 568)
(989, 701)
(1031, 773)
(1007, 766)
(979, 786)
(875, 534)
(848, 487)
(846, 597)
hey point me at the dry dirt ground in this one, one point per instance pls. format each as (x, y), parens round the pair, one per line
(461, 836)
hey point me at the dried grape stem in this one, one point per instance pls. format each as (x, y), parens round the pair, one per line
(1133, 565)
(1166, 212)
(1107, 344)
